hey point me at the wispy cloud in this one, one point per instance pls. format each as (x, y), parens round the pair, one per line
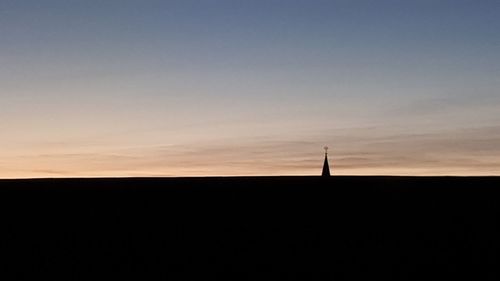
(462, 152)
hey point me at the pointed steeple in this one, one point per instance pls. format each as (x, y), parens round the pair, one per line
(326, 166)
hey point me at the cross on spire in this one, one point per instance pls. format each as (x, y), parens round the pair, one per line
(326, 166)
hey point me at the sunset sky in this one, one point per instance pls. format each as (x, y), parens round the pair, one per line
(213, 87)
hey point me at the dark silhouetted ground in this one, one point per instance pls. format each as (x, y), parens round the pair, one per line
(263, 228)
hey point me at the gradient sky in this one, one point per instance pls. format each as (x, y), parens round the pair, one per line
(193, 88)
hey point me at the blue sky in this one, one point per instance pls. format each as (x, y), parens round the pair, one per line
(119, 88)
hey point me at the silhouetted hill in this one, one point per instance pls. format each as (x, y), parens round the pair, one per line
(250, 228)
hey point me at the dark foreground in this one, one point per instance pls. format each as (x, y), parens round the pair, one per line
(293, 228)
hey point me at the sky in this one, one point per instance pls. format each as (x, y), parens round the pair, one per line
(221, 88)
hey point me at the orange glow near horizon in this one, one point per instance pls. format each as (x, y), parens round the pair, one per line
(459, 153)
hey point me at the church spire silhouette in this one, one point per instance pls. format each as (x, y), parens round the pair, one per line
(326, 166)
